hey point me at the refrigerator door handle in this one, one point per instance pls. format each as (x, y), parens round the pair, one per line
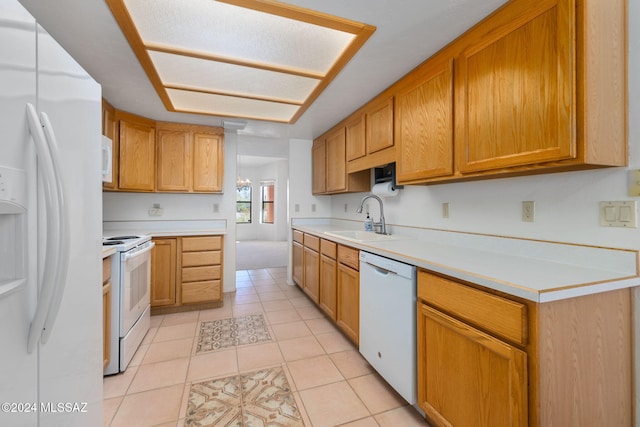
(45, 166)
(60, 278)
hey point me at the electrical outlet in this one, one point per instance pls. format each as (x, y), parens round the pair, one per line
(346, 206)
(445, 210)
(296, 207)
(313, 207)
(528, 211)
(216, 208)
(156, 211)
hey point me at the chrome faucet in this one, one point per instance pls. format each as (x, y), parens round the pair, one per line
(381, 225)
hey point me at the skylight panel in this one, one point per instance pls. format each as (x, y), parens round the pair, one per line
(261, 55)
(220, 77)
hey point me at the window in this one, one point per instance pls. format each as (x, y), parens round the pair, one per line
(267, 189)
(243, 204)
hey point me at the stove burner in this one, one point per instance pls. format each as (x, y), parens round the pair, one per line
(112, 242)
(123, 238)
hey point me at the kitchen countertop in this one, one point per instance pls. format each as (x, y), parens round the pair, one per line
(534, 270)
(165, 228)
(108, 251)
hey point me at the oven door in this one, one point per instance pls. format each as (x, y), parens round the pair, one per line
(135, 282)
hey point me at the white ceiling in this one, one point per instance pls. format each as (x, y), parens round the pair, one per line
(408, 32)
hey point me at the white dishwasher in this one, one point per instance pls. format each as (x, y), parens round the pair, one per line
(388, 321)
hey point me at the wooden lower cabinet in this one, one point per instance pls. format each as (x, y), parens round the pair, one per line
(297, 255)
(163, 272)
(201, 269)
(329, 274)
(312, 274)
(467, 377)
(490, 359)
(186, 273)
(306, 263)
(106, 311)
(348, 310)
(328, 278)
(348, 292)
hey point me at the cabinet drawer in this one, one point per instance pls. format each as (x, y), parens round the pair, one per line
(106, 269)
(192, 259)
(205, 291)
(298, 236)
(196, 274)
(497, 315)
(328, 248)
(312, 242)
(349, 256)
(203, 243)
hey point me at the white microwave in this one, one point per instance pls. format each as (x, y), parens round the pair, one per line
(107, 157)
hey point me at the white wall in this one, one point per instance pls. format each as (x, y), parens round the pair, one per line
(302, 204)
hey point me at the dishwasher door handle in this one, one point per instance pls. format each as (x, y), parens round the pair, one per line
(381, 271)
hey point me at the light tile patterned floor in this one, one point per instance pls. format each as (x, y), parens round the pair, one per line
(232, 332)
(331, 383)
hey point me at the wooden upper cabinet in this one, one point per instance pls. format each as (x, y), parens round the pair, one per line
(110, 130)
(515, 97)
(424, 124)
(190, 158)
(330, 166)
(137, 160)
(336, 161)
(319, 166)
(538, 86)
(174, 160)
(369, 135)
(356, 137)
(379, 124)
(162, 156)
(208, 162)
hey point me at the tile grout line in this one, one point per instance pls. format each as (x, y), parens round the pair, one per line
(306, 319)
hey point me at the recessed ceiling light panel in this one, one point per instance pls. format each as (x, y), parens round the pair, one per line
(224, 30)
(261, 52)
(231, 106)
(224, 78)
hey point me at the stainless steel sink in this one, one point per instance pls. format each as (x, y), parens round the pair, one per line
(364, 236)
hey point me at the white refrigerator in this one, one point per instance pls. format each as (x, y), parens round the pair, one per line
(50, 231)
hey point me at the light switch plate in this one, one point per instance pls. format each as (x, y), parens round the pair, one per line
(619, 214)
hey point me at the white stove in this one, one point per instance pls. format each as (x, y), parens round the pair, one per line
(123, 243)
(130, 297)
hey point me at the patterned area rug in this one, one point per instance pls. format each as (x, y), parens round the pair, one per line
(261, 398)
(234, 331)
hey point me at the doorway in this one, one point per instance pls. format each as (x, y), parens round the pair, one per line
(261, 203)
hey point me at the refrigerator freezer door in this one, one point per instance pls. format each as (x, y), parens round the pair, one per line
(18, 369)
(71, 358)
(60, 382)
